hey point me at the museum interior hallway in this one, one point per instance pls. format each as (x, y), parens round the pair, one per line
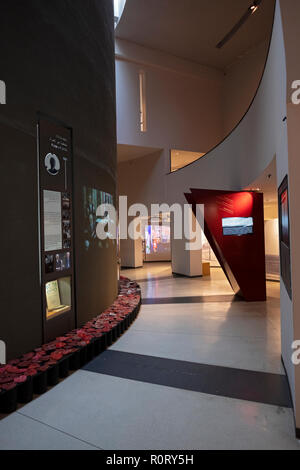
(197, 370)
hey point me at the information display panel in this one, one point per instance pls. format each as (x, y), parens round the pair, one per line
(56, 227)
(284, 235)
(52, 220)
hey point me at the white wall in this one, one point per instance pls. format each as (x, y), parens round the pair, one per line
(131, 252)
(272, 237)
(291, 22)
(189, 107)
(186, 262)
(272, 250)
(140, 179)
(241, 80)
(156, 257)
(183, 101)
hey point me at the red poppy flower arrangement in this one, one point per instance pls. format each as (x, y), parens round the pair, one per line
(18, 371)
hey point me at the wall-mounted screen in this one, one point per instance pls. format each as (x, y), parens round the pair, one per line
(237, 225)
(92, 198)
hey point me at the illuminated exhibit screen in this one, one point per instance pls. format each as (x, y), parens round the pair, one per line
(157, 239)
(92, 199)
(237, 225)
(285, 236)
(284, 232)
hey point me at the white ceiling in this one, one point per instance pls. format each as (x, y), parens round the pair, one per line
(180, 158)
(190, 29)
(131, 152)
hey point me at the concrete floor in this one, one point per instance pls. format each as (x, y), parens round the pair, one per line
(96, 411)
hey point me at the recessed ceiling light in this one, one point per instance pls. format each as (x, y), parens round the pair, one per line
(250, 10)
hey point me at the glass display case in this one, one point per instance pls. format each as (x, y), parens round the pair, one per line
(58, 297)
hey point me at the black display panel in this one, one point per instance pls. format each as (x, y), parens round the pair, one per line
(56, 227)
(284, 235)
(284, 218)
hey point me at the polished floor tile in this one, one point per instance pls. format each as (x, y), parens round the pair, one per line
(18, 432)
(96, 410)
(161, 283)
(238, 352)
(239, 335)
(114, 413)
(210, 318)
(149, 271)
(242, 334)
(192, 300)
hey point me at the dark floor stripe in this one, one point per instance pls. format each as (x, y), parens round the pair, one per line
(261, 387)
(191, 300)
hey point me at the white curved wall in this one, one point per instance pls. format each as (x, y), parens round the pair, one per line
(244, 155)
(291, 25)
(247, 71)
(249, 149)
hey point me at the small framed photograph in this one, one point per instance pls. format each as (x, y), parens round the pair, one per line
(62, 261)
(49, 264)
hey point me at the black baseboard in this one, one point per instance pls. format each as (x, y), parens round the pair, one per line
(185, 275)
(123, 268)
(297, 430)
(158, 261)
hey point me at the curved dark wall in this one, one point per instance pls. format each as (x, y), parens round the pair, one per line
(57, 57)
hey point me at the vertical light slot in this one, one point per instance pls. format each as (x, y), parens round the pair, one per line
(143, 105)
(2, 92)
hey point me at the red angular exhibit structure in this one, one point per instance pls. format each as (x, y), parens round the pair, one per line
(234, 228)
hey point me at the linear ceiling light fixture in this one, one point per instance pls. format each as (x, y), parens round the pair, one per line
(250, 11)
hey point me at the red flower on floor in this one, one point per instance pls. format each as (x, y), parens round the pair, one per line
(21, 379)
(8, 387)
(56, 355)
(17, 371)
(31, 372)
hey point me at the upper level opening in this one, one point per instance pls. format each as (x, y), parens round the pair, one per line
(119, 6)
